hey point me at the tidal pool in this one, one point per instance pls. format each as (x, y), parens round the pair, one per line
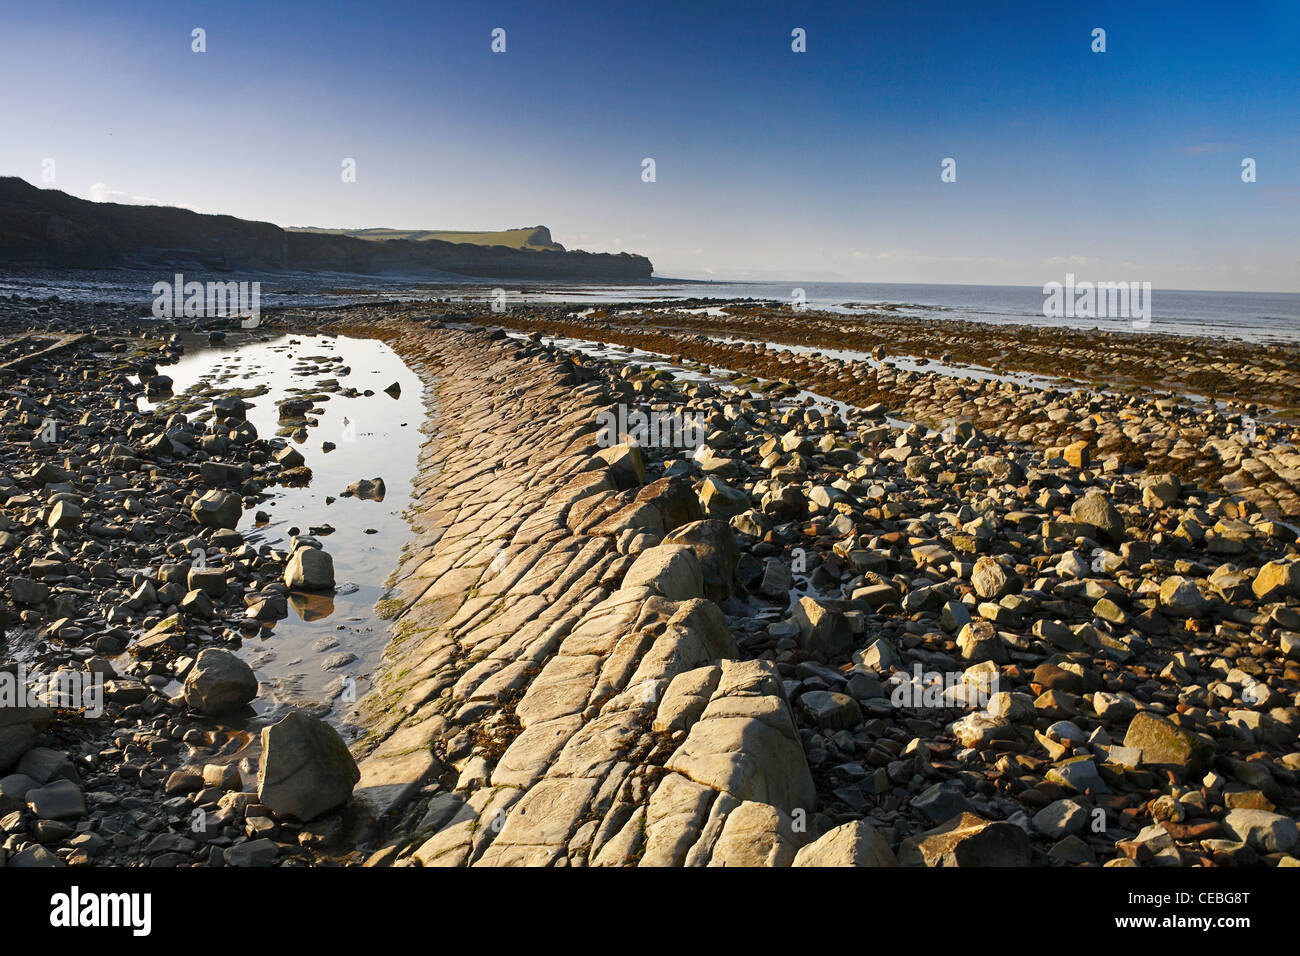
(322, 655)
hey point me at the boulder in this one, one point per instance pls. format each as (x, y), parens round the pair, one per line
(64, 515)
(1180, 597)
(715, 545)
(1164, 742)
(626, 465)
(309, 569)
(1079, 774)
(989, 578)
(33, 857)
(720, 500)
(1078, 454)
(290, 457)
(211, 581)
(941, 801)
(880, 655)
(674, 501)
(158, 385)
(968, 840)
(1264, 831)
(852, 844)
(306, 768)
(822, 629)
(219, 682)
(1096, 512)
(252, 853)
(831, 710)
(1061, 818)
(777, 579)
(231, 408)
(978, 730)
(218, 509)
(13, 791)
(15, 740)
(978, 640)
(367, 489)
(26, 591)
(1161, 491)
(44, 764)
(58, 800)
(1277, 580)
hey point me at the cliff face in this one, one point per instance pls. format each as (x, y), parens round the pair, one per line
(345, 254)
(45, 227)
(50, 228)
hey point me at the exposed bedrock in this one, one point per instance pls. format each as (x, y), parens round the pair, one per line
(557, 670)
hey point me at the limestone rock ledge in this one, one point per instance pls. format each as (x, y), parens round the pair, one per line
(558, 690)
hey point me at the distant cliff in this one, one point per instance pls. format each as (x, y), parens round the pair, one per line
(45, 227)
(529, 237)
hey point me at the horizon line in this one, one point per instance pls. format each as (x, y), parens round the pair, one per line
(955, 285)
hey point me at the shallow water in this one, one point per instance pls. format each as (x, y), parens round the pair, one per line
(909, 363)
(380, 438)
(715, 375)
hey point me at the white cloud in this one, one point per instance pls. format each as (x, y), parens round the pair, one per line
(102, 192)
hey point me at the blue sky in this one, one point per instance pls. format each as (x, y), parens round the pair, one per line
(770, 164)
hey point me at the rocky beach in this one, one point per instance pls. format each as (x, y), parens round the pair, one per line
(912, 594)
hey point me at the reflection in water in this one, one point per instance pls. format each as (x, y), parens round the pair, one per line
(311, 607)
(232, 742)
(345, 435)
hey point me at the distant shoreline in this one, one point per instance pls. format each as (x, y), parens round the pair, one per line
(52, 229)
(1249, 316)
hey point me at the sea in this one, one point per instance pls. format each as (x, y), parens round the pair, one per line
(1251, 316)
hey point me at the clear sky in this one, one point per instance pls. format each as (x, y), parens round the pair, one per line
(770, 164)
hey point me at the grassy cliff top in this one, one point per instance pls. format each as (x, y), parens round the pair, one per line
(528, 237)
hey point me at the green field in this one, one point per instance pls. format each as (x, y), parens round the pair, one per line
(529, 237)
